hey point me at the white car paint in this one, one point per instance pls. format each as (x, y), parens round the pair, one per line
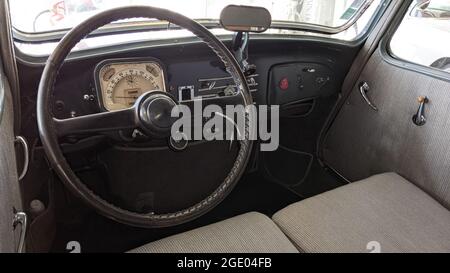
(422, 40)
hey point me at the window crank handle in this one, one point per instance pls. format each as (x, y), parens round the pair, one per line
(419, 118)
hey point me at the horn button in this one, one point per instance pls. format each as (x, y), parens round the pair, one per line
(154, 112)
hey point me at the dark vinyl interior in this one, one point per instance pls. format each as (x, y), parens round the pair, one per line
(330, 135)
(154, 177)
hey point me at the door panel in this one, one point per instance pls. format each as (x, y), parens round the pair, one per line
(10, 199)
(362, 142)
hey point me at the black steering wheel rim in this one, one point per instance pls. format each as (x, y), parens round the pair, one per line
(48, 127)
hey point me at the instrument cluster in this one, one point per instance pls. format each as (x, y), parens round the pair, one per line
(121, 82)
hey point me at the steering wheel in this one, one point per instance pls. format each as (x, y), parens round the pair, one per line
(151, 114)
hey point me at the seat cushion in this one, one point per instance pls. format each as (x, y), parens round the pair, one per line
(248, 233)
(384, 209)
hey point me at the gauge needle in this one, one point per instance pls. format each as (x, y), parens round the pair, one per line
(126, 97)
(131, 80)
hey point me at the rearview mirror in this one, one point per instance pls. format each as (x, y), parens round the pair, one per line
(245, 18)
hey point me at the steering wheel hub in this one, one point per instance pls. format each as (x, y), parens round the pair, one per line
(154, 111)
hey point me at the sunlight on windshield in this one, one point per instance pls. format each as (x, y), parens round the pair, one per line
(49, 15)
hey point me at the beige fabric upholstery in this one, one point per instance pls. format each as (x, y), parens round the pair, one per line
(9, 183)
(384, 208)
(248, 233)
(362, 142)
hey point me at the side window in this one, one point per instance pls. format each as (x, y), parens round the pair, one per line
(423, 37)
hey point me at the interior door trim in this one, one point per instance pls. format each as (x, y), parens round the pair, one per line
(2, 94)
(371, 45)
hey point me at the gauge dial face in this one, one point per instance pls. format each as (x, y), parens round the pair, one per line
(123, 83)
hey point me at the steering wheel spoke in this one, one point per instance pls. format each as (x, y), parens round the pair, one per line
(96, 123)
(151, 114)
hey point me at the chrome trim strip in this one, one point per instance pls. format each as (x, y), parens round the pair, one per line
(251, 82)
(224, 87)
(225, 78)
(212, 96)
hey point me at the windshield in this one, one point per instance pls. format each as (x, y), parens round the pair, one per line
(432, 9)
(51, 15)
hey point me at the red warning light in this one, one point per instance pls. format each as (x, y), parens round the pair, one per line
(284, 84)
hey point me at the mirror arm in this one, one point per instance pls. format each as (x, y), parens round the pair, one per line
(240, 48)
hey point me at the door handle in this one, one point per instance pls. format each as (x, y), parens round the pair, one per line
(20, 218)
(363, 89)
(21, 140)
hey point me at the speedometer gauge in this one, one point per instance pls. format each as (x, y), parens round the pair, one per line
(121, 83)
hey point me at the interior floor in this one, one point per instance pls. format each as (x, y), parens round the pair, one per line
(96, 233)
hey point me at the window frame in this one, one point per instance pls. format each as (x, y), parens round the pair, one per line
(395, 60)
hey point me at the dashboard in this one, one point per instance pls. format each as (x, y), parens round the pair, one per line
(121, 82)
(114, 81)
(111, 80)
